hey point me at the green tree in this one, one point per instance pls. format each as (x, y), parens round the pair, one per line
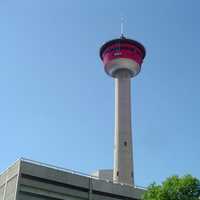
(174, 188)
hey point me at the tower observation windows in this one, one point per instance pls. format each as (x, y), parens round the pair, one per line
(120, 48)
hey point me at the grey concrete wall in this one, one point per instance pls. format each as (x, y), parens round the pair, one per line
(105, 174)
(8, 182)
(40, 182)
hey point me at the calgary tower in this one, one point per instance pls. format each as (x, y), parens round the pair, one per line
(122, 58)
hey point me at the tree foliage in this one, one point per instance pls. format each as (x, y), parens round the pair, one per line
(174, 188)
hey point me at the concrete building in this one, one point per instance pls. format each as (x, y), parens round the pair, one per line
(104, 174)
(30, 180)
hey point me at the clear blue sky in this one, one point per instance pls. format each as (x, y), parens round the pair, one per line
(57, 104)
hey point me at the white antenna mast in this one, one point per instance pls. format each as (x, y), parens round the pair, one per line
(122, 26)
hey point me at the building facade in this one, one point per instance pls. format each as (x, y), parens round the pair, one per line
(30, 180)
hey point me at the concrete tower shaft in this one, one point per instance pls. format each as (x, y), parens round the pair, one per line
(123, 159)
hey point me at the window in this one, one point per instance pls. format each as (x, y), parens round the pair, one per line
(120, 48)
(125, 143)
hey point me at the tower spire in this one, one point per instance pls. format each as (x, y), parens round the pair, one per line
(122, 26)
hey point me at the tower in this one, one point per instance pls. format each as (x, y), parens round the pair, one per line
(122, 60)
